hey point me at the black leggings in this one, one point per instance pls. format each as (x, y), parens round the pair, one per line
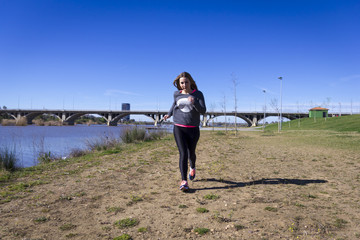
(186, 140)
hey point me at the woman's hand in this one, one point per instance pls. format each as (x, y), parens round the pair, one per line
(166, 117)
(191, 99)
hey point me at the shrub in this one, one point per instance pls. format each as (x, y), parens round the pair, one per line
(133, 135)
(21, 122)
(8, 122)
(8, 159)
(77, 152)
(102, 143)
(156, 135)
(45, 157)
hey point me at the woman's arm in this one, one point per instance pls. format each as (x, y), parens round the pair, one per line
(199, 103)
(170, 113)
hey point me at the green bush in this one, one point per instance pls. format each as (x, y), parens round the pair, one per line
(45, 157)
(8, 159)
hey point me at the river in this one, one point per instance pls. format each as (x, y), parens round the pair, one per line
(29, 141)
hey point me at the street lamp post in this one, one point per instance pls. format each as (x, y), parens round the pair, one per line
(280, 127)
(264, 91)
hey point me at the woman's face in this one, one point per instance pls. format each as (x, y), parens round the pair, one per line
(185, 84)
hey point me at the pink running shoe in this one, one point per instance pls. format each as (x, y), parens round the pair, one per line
(192, 174)
(184, 186)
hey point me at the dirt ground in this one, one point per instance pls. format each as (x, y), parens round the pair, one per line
(251, 186)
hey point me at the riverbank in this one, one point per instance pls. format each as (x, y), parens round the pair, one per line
(256, 185)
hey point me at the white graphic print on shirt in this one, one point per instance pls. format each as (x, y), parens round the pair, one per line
(184, 105)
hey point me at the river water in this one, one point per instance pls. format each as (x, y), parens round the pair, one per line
(29, 141)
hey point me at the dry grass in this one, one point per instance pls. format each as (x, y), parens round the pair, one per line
(293, 185)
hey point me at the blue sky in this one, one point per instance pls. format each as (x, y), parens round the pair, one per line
(99, 54)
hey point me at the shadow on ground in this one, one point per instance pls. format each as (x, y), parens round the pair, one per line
(271, 181)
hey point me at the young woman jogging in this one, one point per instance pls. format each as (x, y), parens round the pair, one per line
(188, 104)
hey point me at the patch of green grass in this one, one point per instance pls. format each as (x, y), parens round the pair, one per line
(67, 197)
(340, 223)
(20, 187)
(80, 194)
(9, 192)
(110, 151)
(134, 199)
(127, 222)
(349, 123)
(211, 196)
(125, 236)
(41, 219)
(220, 133)
(5, 176)
(182, 206)
(71, 235)
(299, 205)
(217, 217)
(268, 133)
(239, 227)
(271, 209)
(201, 231)
(115, 209)
(202, 210)
(67, 227)
(142, 229)
(309, 196)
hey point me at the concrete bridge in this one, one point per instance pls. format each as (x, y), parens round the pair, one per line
(68, 117)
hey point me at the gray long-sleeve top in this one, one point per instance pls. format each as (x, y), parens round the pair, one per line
(184, 112)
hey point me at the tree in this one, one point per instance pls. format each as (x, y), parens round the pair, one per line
(275, 105)
(298, 110)
(212, 109)
(223, 105)
(327, 104)
(235, 83)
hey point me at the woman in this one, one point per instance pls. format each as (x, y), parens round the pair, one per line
(188, 104)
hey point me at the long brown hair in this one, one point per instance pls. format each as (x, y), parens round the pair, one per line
(188, 76)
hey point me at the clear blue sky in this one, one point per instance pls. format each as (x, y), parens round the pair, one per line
(99, 54)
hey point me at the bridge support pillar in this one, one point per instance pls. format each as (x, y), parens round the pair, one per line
(157, 119)
(110, 120)
(254, 121)
(204, 122)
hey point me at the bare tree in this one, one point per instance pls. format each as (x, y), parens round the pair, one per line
(223, 105)
(327, 104)
(234, 80)
(212, 109)
(340, 109)
(275, 105)
(298, 111)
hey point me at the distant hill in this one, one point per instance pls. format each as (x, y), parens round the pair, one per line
(350, 123)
